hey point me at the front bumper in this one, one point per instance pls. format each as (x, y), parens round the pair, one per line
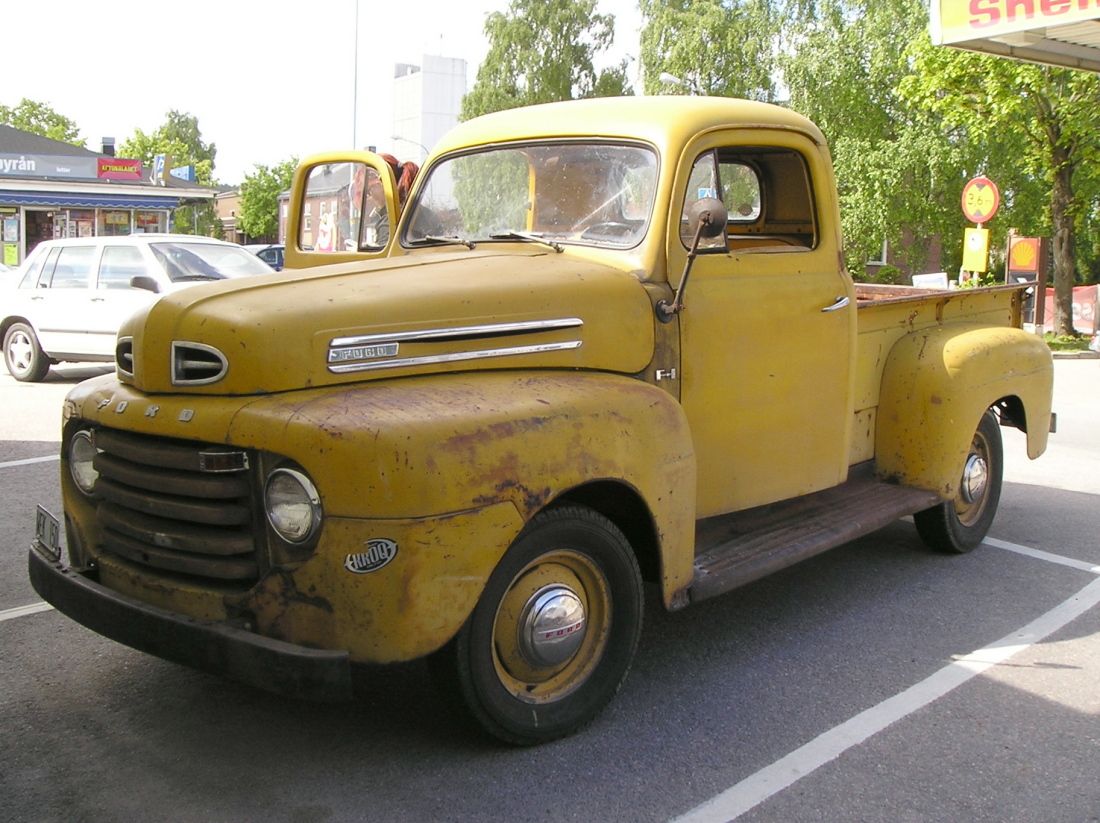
(236, 654)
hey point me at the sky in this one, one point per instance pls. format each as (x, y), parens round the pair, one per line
(267, 79)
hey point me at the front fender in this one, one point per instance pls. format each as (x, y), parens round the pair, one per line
(936, 385)
(448, 468)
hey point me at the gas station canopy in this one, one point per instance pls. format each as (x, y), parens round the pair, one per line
(1056, 32)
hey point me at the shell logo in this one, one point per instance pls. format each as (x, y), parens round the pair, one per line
(1024, 254)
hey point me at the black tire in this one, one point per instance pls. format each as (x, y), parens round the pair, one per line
(528, 687)
(23, 355)
(961, 524)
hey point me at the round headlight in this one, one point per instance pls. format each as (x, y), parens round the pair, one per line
(293, 505)
(81, 455)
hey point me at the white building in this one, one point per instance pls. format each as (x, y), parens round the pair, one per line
(427, 100)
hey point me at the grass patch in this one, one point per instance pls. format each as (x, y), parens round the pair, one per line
(1067, 343)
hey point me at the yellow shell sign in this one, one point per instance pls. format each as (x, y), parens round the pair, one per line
(956, 21)
(1024, 254)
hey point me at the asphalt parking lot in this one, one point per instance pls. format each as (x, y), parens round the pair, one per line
(877, 682)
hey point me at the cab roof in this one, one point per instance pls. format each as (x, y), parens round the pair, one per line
(661, 120)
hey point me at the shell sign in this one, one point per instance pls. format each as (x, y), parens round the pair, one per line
(1023, 254)
(956, 21)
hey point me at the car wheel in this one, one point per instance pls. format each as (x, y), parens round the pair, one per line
(23, 356)
(554, 633)
(960, 525)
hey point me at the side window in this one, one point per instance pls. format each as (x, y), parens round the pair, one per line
(34, 271)
(118, 265)
(766, 192)
(740, 191)
(74, 268)
(46, 270)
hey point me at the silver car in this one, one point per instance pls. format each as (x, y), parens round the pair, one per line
(68, 299)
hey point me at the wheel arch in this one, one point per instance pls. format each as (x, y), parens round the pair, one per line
(937, 384)
(625, 507)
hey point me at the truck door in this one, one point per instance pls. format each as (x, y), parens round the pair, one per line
(342, 208)
(768, 329)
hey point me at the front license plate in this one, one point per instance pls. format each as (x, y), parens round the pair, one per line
(47, 533)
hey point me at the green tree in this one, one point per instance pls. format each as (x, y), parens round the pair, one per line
(899, 171)
(721, 47)
(180, 137)
(259, 214)
(39, 118)
(1052, 119)
(541, 51)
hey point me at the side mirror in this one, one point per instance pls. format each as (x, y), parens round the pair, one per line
(707, 218)
(144, 281)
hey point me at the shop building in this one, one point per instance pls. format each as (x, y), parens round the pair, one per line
(51, 189)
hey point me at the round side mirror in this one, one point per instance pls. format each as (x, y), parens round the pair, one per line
(710, 213)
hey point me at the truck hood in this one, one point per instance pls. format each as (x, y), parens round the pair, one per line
(418, 314)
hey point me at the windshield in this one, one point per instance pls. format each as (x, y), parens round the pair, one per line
(206, 261)
(585, 193)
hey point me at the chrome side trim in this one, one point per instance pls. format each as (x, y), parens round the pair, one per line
(459, 332)
(455, 357)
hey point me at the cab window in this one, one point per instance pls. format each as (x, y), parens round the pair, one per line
(766, 192)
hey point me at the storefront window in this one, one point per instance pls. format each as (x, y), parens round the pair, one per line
(150, 221)
(113, 223)
(81, 223)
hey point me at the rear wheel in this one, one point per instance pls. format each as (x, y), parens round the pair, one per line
(552, 638)
(960, 525)
(23, 356)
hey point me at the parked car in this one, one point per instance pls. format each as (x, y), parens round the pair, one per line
(68, 299)
(270, 253)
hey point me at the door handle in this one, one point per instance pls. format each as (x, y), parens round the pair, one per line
(839, 303)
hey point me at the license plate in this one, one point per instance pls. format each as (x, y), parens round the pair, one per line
(47, 533)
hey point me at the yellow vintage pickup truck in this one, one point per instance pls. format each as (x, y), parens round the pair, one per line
(604, 342)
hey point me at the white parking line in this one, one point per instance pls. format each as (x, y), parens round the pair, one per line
(769, 781)
(23, 611)
(28, 461)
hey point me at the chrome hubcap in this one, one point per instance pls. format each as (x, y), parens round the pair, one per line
(552, 626)
(974, 479)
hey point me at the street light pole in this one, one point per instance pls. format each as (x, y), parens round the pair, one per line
(355, 83)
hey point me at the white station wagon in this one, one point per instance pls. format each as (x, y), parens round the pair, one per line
(70, 296)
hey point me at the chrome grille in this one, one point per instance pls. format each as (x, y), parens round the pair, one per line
(158, 507)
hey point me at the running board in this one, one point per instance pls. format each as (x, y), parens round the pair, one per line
(735, 549)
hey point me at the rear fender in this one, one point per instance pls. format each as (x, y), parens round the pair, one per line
(936, 385)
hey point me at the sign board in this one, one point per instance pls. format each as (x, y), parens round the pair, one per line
(1055, 32)
(184, 173)
(980, 200)
(117, 168)
(1023, 254)
(975, 250)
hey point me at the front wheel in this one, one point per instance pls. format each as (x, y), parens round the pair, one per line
(23, 355)
(553, 635)
(960, 525)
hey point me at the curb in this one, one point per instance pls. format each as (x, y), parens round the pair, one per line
(1076, 355)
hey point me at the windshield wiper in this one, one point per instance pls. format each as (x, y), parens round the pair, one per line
(451, 241)
(530, 238)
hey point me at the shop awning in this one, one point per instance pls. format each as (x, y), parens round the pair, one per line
(87, 201)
